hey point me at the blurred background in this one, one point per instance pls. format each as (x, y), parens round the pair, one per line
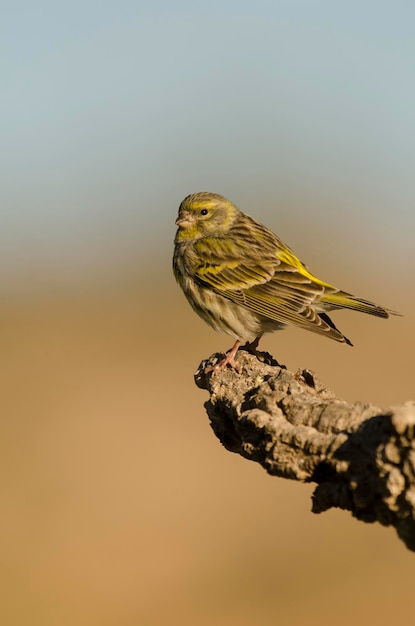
(119, 506)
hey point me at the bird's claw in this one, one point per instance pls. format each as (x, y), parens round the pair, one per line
(229, 359)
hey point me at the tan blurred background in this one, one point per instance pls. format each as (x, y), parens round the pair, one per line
(119, 506)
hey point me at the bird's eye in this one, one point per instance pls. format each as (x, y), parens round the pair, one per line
(204, 212)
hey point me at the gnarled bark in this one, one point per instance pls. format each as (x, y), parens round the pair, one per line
(361, 457)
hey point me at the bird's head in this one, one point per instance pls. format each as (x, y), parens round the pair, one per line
(204, 214)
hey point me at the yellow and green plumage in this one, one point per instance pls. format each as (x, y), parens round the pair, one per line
(244, 281)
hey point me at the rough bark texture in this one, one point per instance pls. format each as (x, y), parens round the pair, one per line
(361, 457)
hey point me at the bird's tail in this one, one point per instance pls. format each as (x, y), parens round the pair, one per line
(344, 300)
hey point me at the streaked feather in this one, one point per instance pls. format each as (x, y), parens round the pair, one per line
(242, 279)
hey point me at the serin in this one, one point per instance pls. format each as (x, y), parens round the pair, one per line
(244, 281)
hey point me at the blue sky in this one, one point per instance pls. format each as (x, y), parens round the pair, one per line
(302, 112)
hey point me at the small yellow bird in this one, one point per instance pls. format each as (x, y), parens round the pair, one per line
(244, 281)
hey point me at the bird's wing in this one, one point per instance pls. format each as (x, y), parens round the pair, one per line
(223, 265)
(277, 286)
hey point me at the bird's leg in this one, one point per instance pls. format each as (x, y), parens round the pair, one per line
(252, 348)
(228, 360)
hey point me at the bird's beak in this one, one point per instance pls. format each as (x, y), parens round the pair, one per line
(184, 220)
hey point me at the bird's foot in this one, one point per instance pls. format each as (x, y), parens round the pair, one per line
(229, 359)
(252, 349)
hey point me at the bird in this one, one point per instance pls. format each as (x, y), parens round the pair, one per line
(242, 280)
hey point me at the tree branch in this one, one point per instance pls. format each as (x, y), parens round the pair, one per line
(361, 457)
